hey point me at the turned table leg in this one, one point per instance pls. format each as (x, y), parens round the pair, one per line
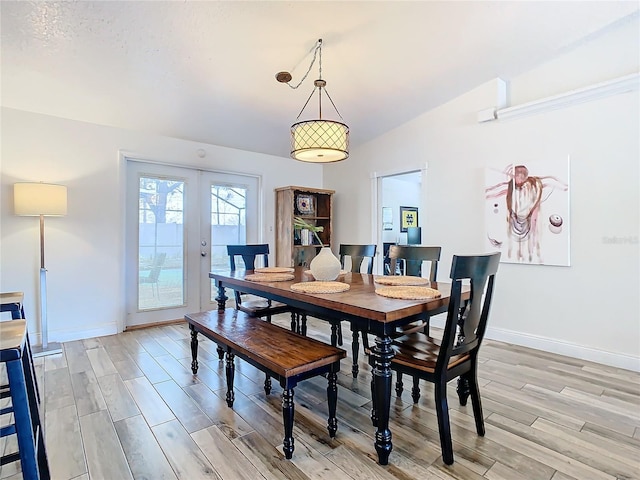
(382, 355)
(194, 349)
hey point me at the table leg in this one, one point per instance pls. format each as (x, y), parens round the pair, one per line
(230, 369)
(194, 349)
(222, 304)
(381, 386)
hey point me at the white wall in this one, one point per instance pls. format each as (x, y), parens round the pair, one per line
(589, 310)
(84, 250)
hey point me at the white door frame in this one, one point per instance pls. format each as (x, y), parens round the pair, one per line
(123, 157)
(376, 196)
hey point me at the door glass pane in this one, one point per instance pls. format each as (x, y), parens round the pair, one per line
(160, 243)
(228, 224)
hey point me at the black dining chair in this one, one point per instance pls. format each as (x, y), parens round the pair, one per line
(255, 306)
(358, 255)
(455, 355)
(408, 260)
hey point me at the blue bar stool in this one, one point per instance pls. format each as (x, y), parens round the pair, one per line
(12, 302)
(25, 405)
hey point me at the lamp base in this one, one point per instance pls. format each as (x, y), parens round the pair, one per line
(51, 349)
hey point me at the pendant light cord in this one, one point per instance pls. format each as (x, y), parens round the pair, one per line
(318, 47)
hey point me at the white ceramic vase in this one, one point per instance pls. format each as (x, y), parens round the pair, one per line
(325, 266)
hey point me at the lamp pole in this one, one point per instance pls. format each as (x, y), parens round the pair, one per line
(40, 200)
(43, 290)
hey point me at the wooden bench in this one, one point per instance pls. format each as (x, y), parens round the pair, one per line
(281, 354)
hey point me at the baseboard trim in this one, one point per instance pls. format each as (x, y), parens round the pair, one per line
(73, 335)
(153, 324)
(618, 360)
(550, 345)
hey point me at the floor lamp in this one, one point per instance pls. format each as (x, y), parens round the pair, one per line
(40, 200)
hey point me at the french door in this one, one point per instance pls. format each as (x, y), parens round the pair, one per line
(178, 223)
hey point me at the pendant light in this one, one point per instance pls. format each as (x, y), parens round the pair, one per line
(319, 140)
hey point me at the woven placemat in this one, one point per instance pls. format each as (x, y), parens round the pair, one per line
(403, 280)
(409, 292)
(320, 287)
(274, 270)
(269, 277)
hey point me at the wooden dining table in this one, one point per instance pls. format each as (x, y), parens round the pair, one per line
(359, 305)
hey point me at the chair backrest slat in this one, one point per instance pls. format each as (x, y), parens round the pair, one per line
(358, 253)
(413, 256)
(249, 253)
(480, 271)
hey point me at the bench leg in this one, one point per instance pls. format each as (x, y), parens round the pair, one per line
(287, 416)
(267, 384)
(220, 351)
(230, 371)
(332, 400)
(194, 349)
(294, 321)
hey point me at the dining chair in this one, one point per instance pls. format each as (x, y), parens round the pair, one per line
(408, 260)
(254, 306)
(358, 255)
(455, 355)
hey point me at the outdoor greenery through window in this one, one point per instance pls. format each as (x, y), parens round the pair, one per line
(161, 243)
(228, 223)
(162, 253)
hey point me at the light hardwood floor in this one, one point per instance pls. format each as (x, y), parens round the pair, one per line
(127, 406)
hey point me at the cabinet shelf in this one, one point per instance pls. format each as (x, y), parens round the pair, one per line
(316, 205)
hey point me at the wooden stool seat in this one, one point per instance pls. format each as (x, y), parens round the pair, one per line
(12, 302)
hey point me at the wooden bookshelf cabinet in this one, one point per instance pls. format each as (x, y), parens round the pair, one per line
(315, 206)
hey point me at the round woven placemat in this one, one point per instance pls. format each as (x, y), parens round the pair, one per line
(320, 287)
(274, 270)
(403, 280)
(269, 277)
(409, 292)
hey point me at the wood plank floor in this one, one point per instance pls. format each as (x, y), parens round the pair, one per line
(127, 406)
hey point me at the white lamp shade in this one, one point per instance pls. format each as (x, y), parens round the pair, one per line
(34, 199)
(319, 141)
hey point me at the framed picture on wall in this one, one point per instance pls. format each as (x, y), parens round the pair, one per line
(387, 218)
(408, 218)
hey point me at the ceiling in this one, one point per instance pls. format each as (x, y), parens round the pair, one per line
(205, 70)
